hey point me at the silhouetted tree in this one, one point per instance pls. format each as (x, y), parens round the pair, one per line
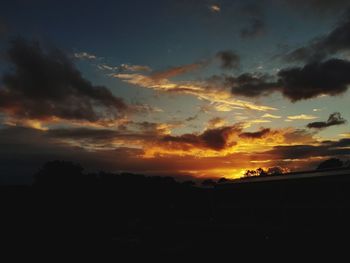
(347, 163)
(222, 180)
(276, 170)
(261, 172)
(330, 164)
(208, 182)
(59, 173)
(257, 172)
(250, 173)
(189, 183)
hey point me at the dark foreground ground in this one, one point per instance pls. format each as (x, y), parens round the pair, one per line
(161, 218)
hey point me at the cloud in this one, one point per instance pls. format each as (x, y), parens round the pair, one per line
(255, 135)
(302, 117)
(298, 136)
(216, 122)
(84, 55)
(192, 118)
(256, 28)
(215, 139)
(267, 115)
(176, 71)
(215, 8)
(226, 140)
(44, 84)
(328, 77)
(24, 150)
(327, 148)
(249, 85)
(338, 40)
(228, 59)
(95, 135)
(334, 119)
(124, 68)
(132, 134)
(208, 90)
(213, 152)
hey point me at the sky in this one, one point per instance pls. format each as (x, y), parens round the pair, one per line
(194, 88)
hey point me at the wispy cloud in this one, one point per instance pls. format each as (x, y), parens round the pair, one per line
(179, 70)
(85, 55)
(221, 98)
(302, 117)
(267, 115)
(124, 68)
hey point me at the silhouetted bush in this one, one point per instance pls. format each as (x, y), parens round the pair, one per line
(222, 180)
(208, 182)
(60, 173)
(330, 164)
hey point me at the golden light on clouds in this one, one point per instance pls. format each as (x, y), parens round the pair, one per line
(267, 115)
(302, 117)
(221, 98)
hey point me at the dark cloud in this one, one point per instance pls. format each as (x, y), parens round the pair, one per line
(192, 118)
(255, 135)
(299, 136)
(337, 40)
(45, 84)
(338, 144)
(334, 119)
(249, 85)
(327, 148)
(95, 135)
(330, 77)
(255, 28)
(91, 137)
(215, 139)
(253, 11)
(228, 59)
(24, 150)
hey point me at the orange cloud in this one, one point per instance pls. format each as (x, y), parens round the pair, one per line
(175, 71)
(221, 98)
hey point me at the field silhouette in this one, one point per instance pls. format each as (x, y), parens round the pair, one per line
(127, 214)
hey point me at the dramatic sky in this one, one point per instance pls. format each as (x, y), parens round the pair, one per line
(194, 88)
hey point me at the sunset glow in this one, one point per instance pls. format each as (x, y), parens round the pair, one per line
(198, 88)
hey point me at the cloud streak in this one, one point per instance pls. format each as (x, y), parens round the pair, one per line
(302, 117)
(84, 55)
(205, 90)
(124, 68)
(338, 40)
